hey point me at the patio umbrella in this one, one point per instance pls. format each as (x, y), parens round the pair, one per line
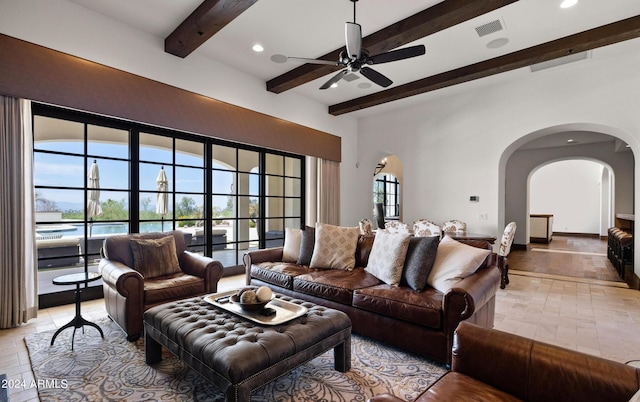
(162, 198)
(93, 195)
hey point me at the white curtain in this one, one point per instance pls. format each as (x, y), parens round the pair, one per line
(328, 193)
(18, 263)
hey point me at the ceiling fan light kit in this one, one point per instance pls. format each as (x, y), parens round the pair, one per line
(354, 58)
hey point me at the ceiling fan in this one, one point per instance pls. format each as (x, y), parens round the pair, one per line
(355, 58)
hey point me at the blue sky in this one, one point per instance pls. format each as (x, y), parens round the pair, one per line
(69, 171)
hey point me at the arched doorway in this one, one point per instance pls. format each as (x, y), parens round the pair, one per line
(387, 188)
(577, 192)
(570, 141)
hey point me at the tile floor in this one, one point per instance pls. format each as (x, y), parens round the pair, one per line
(590, 315)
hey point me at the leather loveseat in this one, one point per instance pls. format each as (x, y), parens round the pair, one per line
(491, 365)
(421, 322)
(133, 283)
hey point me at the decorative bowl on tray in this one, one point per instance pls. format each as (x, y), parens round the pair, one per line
(261, 296)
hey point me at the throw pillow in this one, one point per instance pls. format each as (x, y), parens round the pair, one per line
(307, 241)
(291, 250)
(155, 257)
(387, 256)
(421, 255)
(335, 247)
(454, 262)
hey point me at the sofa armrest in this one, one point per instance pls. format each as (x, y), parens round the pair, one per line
(203, 267)
(469, 296)
(256, 257)
(125, 280)
(471, 293)
(525, 364)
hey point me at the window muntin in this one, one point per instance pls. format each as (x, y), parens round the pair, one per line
(226, 191)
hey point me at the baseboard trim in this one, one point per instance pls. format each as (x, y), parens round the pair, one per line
(572, 234)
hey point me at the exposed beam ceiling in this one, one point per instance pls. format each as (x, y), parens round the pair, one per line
(580, 42)
(434, 19)
(210, 17)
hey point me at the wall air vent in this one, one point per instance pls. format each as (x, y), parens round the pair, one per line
(560, 61)
(489, 28)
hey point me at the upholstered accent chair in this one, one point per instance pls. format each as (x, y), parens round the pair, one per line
(426, 228)
(454, 225)
(142, 270)
(396, 227)
(503, 253)
(366, 227)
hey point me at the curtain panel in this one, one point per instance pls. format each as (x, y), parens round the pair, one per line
(18, 275)
(328, 194)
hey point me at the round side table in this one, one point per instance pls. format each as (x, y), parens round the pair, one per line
(78, 321)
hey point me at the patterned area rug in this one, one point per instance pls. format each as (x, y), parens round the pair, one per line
(114, 370)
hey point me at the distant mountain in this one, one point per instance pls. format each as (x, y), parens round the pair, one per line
(70, 206)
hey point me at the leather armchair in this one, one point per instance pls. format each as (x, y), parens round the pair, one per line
(491, 365)
(128, 294)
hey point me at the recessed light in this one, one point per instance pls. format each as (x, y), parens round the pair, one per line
(258, 48)
(568, 3)
(364, 85)
(571, 141)
(334, 85)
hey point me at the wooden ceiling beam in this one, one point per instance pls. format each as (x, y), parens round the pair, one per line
(602, 36)
(209, 18)
(427, 22)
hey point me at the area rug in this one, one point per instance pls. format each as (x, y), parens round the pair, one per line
(114, 370)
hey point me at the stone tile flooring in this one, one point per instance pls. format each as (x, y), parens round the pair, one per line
(592, 315)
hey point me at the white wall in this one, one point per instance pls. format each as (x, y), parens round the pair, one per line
(570, 191)
(456, 146)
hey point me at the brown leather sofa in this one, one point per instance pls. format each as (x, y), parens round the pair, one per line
(420, 322)
(491, 365)
(128, 294)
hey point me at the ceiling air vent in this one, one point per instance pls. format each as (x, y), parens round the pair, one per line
(560, 61)
(489, 28)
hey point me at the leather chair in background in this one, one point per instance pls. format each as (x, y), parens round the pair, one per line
(134, 282)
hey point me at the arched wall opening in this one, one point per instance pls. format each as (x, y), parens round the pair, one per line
(577, 192)
(526, 154)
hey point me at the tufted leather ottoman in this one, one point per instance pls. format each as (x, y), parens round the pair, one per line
(237, 355)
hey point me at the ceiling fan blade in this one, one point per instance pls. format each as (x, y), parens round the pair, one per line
(353, 38)
(376, 77)
(399, 54)
(313, 61)
(334, 79)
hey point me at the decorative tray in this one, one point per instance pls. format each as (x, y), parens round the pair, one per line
(284, 310)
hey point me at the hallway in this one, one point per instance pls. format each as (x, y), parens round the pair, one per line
(567, 256)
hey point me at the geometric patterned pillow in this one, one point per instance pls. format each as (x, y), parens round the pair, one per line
(155, 257)
(387, 256)
(335, 247)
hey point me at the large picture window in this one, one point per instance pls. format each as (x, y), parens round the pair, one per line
(226, 198)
